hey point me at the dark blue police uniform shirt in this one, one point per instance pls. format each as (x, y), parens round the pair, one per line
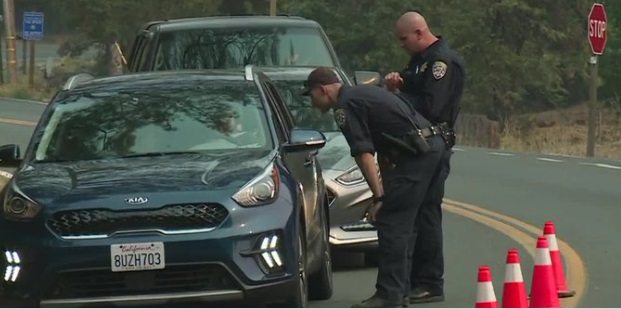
(364, 112)
(434, 82)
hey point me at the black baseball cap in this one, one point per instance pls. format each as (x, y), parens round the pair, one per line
(319, 76)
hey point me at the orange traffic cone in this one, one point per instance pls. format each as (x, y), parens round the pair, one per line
(514, 289)
(557, 261)
(543, 287)
(486, 298)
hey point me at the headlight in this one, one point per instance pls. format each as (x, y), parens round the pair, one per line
(353, 176)
(261, 190)
(17, 206)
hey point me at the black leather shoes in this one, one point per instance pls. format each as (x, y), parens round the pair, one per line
(377, 302)
(420, 296)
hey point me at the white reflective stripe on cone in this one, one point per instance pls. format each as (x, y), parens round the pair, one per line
(542, 257)
(513, 273)
(552, 245)
(485, 292)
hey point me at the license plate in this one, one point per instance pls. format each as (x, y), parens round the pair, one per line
(140, 256)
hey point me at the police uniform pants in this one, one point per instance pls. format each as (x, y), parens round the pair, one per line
(405, 190)
(428, 260)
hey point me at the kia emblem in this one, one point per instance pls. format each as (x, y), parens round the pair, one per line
(136, 200)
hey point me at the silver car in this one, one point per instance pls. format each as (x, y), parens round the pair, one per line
(349, 193)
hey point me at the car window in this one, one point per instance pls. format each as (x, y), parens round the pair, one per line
(211, 117)
(235, 47)
(301, 109)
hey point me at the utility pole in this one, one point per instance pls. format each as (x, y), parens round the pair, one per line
(273, 7)
(9, 23)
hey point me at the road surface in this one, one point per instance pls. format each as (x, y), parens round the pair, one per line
(508, 197)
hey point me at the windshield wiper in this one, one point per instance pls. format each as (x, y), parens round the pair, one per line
(157, 154)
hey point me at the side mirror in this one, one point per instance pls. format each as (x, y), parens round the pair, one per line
(367, 77)
(9, 155)
(305, 140)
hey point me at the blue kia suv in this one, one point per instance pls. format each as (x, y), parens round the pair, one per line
(159, 187)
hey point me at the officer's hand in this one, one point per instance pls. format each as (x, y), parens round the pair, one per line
(372, 211)
(393, 81)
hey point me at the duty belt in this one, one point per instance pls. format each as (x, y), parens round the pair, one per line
(430, 131)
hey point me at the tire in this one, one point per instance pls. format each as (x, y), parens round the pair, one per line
(321, 285)
(300, 298)
(371, 258)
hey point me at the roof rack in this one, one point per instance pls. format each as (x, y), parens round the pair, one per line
(248, 74)
(76, 80)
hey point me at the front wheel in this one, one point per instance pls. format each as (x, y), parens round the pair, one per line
(300, 297)
(321, 282)
(371, 258)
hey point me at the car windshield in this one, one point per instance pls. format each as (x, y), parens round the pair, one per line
(223, 48)
(211, 117)
(301, 109)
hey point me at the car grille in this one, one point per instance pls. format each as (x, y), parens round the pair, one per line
(104, 222)
(172, 279)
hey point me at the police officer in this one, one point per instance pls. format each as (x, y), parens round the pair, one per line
(433, 81)
(374, 120)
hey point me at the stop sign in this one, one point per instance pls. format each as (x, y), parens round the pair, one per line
(598, 30)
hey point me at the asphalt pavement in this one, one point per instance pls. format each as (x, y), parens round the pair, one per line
(580, 195)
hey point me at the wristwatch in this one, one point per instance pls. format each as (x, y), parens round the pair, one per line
(378, 198)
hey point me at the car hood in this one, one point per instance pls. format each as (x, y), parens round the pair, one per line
(70, 182)
(336, 154)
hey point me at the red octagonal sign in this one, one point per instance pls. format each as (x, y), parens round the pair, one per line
(598, 30)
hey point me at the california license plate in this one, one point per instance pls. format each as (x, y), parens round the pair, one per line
(139, 256)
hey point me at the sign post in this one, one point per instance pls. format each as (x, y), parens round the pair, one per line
(598, 36)
(32, 30)
(272, 7)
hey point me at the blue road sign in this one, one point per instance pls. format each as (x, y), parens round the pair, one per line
(33, 26)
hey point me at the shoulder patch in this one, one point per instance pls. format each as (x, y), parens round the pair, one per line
(340, 117)
(439, 69)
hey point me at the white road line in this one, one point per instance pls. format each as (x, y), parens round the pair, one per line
(563, 155)
(549, 160)
(614, 167)
(501, 154)
(459, 149)
(608, 166)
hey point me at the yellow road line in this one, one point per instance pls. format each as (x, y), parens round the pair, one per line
(18, 122)
(575, 268)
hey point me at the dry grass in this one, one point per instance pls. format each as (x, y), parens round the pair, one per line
(43, 88)
(22, 90)
(565, 140)
(563, 132)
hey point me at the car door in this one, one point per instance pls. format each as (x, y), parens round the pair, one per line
(305, 168)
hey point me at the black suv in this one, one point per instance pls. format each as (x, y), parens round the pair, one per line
(224, 42)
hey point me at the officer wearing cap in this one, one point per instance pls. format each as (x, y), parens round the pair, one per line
(433, 81)
(374, 120)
